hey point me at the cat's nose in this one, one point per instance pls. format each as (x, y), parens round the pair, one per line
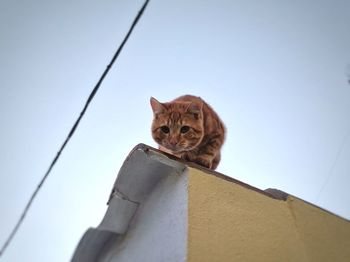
(173, 142)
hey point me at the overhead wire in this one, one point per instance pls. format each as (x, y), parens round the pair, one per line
(334, 164)
(71, 132)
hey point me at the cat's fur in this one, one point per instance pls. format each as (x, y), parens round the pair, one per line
(188, 127)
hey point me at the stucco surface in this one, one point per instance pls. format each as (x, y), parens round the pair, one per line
(162, 209)
(228, 222)
(158, 230)
(326, 237)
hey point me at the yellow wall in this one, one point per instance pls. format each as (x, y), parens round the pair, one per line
(228, 222)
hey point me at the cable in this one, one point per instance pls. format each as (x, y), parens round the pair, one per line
(91, 96)
(331, 170)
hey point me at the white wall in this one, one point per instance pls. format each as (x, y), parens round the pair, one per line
(158, 232)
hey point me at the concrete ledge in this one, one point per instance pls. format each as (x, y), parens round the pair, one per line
(162, 208)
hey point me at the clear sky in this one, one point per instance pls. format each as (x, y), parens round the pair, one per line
(275, 71)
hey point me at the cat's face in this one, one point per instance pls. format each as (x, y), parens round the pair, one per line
(177, 126)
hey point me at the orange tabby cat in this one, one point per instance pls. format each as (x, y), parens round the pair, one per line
(188, 127)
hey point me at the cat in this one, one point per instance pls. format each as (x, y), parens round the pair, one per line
(188, 128)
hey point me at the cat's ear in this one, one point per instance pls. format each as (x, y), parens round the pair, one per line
(157, 106)
(195, 109)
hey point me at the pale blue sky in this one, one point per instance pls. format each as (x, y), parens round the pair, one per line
(275, 71)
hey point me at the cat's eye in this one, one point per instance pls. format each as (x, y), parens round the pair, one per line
(184, 129)
(165, 129)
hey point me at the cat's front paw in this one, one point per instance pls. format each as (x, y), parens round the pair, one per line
(187, 157)
(204, 162)
(200, 160)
